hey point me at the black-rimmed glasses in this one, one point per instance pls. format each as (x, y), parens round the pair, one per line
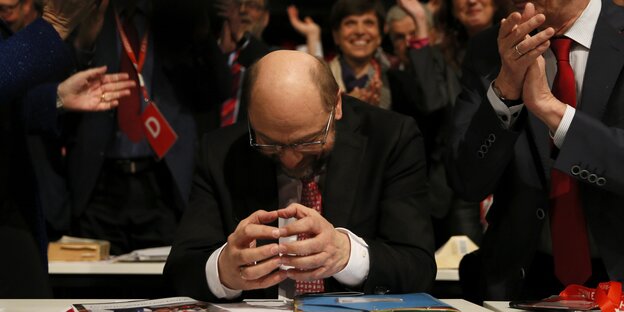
(304, 147)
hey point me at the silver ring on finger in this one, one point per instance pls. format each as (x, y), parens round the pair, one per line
(103, 98)
(518, 51)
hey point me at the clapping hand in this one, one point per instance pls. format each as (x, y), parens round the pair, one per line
(519, 50)
(93, 90)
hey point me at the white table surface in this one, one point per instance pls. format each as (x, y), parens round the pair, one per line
(61, 305)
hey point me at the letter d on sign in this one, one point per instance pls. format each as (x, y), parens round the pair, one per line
(159, 133)
(153, 126)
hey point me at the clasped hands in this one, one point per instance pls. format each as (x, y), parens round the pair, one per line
(523, 73)
(244, 266)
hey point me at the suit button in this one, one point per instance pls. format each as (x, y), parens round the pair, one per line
(584, 174)
(480, 154)
(601, 181)
(491, 137)
(483, 149)
(488, 143)
(592, 178)
(540, 213)
(575, 169)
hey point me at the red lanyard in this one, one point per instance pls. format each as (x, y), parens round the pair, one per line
(138, 66)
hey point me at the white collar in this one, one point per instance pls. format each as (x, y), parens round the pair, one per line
(582, 31)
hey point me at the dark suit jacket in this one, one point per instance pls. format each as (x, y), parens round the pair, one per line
(515, 164)
(179, 87)
(32, 56)
(375, 186)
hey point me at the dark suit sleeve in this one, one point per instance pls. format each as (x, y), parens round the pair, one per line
(401, 253)
(480, 146)
(196, 241)
(31, 56)
(596, 149)
(39, 109)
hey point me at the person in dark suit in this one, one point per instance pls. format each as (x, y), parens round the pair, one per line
(429, 85)
(364, 166)
(120, 190)
(500, 144)
(32, 56)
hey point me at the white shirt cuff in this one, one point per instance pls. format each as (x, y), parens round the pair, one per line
(356, 270)
(214, 282)
(564, 125)
(506, 115)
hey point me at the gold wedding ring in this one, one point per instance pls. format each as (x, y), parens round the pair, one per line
(518, 51)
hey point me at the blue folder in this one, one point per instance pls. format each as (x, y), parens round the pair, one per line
(349, 302)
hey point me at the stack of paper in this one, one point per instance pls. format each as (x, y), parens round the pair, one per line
(156, 254)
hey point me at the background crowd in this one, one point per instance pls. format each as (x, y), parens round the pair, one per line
(77, 76)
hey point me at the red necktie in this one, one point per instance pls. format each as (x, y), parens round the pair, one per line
(311, 198)
(129, 109)
(568, 229)
(228, 108)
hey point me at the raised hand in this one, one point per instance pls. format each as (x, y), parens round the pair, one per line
(416, 10)
(322, 255)
(243, 265)
(92, 90)
(306, 27)
(518, 50)
(232, 30)
(538, 98)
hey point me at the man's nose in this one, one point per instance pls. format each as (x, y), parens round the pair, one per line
(290, 158)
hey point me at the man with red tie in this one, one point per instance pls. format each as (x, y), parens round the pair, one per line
(318, 192)
(130, 171)
(539, 125)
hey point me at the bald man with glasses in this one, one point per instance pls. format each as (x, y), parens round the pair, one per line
(318, 192)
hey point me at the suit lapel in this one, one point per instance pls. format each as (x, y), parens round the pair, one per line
(605, 62)
(343, 169)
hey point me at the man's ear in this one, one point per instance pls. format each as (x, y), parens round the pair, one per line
(338, 113)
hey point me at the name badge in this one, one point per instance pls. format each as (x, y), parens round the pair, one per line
(159, 133)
